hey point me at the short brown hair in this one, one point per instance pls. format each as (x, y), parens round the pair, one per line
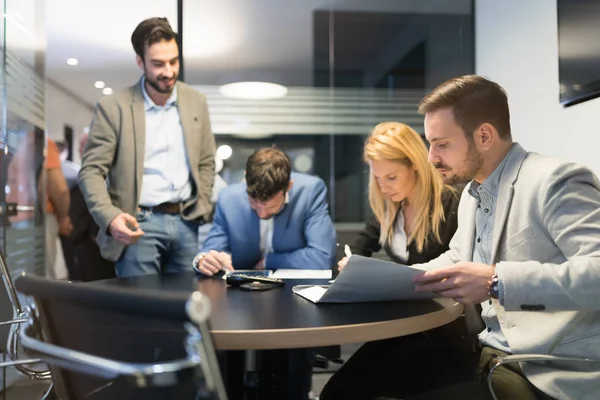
(268, 171)
(474, 101)
(149, 32)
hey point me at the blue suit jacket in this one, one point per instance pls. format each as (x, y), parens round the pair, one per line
(303, 234)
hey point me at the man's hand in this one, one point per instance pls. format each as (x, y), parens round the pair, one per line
(465, 282)
(260, 264)
(214, 261)
(125, 229)
(342, 263)
(65, 227)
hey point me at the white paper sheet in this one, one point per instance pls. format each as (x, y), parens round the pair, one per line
(312, 293)
(302, 274)
(366, 280)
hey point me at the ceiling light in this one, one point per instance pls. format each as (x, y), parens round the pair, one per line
(107, 91)
(99, 84)
(253, 90)
(72, 61)
(224, 151)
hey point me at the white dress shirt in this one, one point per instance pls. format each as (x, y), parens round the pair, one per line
(266, 232)
(398, 245)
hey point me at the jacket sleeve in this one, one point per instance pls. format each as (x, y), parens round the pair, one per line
(96, 162)
(218, 237)
(367, 241)
(319, 252)
(206, 163)
(569, 211)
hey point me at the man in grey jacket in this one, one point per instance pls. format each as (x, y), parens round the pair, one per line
(148, 167)
(527, 246)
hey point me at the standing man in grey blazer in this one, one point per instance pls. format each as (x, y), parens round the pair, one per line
(527, 246)
(148, 167)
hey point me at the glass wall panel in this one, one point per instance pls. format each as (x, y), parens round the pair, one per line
(346, 65)
(23, 136)
(22, 144)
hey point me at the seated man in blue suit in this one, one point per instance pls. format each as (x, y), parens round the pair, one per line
(275, 219)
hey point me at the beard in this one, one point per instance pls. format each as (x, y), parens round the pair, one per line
(155, 83)
(473, 163)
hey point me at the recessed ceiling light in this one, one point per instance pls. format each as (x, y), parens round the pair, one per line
(224, 151)
(72, 61)
(107, 91)
(99, 84)
(253, 90)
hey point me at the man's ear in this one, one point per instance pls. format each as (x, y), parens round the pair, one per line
(139, 61)
(290, 185)
(485, 136)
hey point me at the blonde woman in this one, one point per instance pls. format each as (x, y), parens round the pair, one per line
(414, 211)
(415, 216)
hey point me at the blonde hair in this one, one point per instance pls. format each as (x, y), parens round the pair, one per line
(399, 143)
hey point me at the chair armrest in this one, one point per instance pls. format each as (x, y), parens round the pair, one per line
(144, 375)
(14, 321)
(514, 358)
(540, 357)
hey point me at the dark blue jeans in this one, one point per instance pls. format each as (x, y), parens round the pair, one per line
(169, 245)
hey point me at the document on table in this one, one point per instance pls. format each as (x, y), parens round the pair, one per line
(302, 274)
(366, 279)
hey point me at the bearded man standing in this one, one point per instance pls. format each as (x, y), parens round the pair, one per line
(148, 167)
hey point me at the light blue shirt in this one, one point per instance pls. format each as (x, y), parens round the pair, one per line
(486, 195)
(166, 169)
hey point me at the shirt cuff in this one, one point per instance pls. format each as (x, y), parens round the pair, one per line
(501, 291)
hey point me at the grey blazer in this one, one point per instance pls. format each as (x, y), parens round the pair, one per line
(113, 161)
(546, 246)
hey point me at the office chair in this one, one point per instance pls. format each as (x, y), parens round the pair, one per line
(28, 366)
(105, 342)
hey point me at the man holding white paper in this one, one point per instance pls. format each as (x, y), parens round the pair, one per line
(527, 246)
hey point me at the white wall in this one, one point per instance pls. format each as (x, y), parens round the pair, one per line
(63, 109)
(517, 46)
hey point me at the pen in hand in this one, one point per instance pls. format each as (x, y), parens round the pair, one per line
(347, 251)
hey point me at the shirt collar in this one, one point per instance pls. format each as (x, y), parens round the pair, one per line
(149, 104)
(492, 184)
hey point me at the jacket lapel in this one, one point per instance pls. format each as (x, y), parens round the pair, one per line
(280, 225)
(187, 117)
(252, 234)
(505, 195)
(139, 136)
(467, 223)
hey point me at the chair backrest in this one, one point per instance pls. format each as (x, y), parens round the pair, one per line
(122, 324)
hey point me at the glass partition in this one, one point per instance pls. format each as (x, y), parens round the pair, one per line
(343, 67)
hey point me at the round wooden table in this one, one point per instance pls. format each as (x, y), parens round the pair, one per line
(278, 318)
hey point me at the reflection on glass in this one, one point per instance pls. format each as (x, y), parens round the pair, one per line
(347, 66)
(23, 139)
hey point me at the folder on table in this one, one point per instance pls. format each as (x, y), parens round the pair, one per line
(366, 279)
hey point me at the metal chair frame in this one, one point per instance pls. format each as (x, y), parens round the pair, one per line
(198, 344)
(531, 358)
(21, 315)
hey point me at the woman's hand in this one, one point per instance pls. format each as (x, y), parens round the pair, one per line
(342, 263)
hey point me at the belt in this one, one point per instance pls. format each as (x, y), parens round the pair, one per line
(164, 208)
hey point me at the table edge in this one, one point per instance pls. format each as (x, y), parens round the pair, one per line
(264, 339)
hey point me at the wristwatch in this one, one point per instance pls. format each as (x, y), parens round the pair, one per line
(494, 289)
(198, 259)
